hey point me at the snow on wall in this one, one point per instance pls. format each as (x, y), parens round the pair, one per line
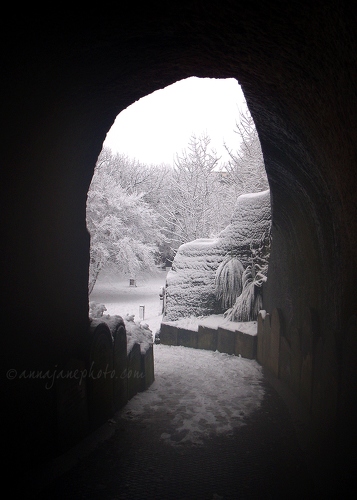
(214, 321)
(190, 287)
(190, 283)
(136, 333)
(251, 218)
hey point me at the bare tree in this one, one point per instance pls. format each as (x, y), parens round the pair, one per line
(191, 207)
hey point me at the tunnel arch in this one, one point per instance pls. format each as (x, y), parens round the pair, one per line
(67, 79)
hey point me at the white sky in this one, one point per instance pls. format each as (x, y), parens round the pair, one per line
(160, 125)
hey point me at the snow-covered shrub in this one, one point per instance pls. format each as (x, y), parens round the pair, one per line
(96, 310)
(228, 281)
(251, 219)
(192, 284)
(137, 333)
(250, 301)
(190, 289)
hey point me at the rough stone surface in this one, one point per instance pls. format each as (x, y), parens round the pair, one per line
(134, 374)
(260, 339)
(245, 345)
(285, 361)
(186, 338)
(296, 360)
(100, 386)
(206, 338)
(275, 341)
(120, 365)
(168, 334)
(225, 341)
(147, 368)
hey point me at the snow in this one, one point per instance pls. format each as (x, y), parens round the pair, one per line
(113, 290)
(199, 243)
(261, 194)
(137, 333)
(214, 321)
(250, 220)
(190, 283)
(262, 313)
(206, 394)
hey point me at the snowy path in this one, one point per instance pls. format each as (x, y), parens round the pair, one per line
(205, 393)
(209, 428)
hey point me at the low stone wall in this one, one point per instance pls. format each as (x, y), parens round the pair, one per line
(94, 390)
(207, 338)
(147, 368)
(220, 339)
(134, 374)
(140, 370)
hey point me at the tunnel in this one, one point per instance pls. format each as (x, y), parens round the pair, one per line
(66, 74)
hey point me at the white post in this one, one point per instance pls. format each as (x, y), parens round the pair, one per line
(142, 312)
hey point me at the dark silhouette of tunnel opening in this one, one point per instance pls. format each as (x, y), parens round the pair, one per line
(64, 83)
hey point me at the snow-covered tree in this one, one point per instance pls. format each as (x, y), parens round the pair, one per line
(124, 229)
(134, 176)
(193, 205)
(245, 169)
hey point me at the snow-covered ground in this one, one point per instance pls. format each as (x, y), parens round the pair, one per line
(119, 297)
(205, 393)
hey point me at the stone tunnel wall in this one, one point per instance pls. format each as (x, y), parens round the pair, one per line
(64, 79)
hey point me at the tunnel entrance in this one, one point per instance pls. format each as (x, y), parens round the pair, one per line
(139, 213)
(140, 216)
